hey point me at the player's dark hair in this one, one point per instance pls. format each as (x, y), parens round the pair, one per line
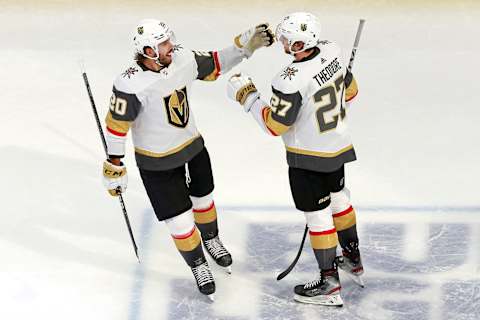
(139, 57)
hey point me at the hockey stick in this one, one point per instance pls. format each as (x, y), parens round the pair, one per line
(349, 68)
(99, 126)
(294, 262)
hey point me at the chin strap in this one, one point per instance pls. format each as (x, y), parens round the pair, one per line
(155, 59)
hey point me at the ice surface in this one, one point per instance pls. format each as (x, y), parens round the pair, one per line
(65, 249)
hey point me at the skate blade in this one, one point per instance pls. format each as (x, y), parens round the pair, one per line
(324, 300)
(211, 297)
(228, 269)
(357, 279)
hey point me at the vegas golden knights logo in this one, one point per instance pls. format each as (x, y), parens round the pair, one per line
(177, 108)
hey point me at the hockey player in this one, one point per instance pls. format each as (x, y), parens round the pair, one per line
(307, 110)
(152, 98)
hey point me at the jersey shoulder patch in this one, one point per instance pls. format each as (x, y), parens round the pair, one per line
(289, 79)
(134, 79)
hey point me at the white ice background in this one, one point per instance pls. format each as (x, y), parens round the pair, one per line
(65, 251)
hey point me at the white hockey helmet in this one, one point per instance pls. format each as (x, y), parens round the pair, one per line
(299, 26)
(150, 33)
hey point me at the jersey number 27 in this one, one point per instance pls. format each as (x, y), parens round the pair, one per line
(326, 100)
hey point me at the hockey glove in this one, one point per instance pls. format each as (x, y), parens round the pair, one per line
(114, 178)
(241, 89)
(254, 38)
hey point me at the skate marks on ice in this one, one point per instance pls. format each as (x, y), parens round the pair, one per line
(442, 284)
(62, 222)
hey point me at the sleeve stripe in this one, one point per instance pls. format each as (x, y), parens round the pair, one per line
(351, 90)
(265, 111)
(217, 64)
(352, 97)
(116, 133)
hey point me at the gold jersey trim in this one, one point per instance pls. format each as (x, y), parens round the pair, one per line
(318, 153)
(212, 76)
(166, 153)
(117, 125)
(352, 90)
(275, 126)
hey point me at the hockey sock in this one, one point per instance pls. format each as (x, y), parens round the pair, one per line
(323, 237)
(189, 247)
(324, 244)
(345, 223)
(205, 215)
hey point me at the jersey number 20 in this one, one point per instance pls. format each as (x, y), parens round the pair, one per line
(118, 105)
(326, 100)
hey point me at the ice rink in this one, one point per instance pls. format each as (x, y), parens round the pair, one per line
(65, 250)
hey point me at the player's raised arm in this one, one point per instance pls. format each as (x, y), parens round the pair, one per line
(213, 63)
(275, 117)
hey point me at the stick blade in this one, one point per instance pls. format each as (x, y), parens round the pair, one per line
(294, 262)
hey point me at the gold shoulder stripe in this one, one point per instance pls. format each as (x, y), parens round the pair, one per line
(320, 154)
(166, 153)
(275, 126)
(117, 125)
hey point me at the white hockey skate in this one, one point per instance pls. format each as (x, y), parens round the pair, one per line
(219, 253)
(324, 291)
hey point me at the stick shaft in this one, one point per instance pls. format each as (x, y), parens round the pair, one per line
(355, 44)
(104, 142)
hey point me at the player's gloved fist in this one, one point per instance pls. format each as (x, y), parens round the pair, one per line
(241, 88)
(254, 38)
(114, 177)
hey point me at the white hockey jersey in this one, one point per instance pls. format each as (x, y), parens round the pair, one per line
(307, 110)
(156, 106)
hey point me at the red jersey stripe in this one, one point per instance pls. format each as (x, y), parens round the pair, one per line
(217, 63)
(116, 132)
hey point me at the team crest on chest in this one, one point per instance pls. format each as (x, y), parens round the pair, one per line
(177, 108)
(289, 73)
